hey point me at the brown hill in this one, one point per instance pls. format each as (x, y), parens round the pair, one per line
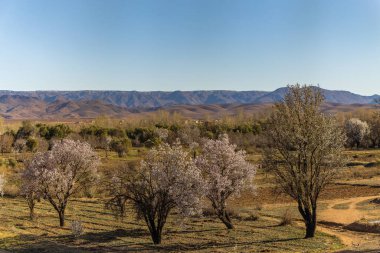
(26, 107)
(23, 107)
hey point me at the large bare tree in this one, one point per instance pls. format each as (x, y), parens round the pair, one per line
(304, 149)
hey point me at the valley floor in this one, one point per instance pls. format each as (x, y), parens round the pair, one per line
(346, 213)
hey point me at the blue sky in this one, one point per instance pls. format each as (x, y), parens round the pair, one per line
(189, 44)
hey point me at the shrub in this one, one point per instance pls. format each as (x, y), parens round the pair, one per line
(253, 216)
(286, 219)
(258, 207)
(208, 212)
(6, 141)
(31, 144)
(11, 190)
(232, 213)
(76, 228)
(3, 181)
(25, 131)
(120, 146)
(12, 162)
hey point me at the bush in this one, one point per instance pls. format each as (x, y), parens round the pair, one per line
(31, 144)
(286, 219)
(11, 190)
(120, 146)
(208, 212)
(234, 214)
(146, 136)
(253, 216)
(12, 162)
(258, 207)
(76, 228)
(25, 131)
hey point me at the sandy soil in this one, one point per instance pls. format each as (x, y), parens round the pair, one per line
(349, 214)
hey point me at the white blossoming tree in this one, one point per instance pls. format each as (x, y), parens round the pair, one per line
(226, 173)
(356, 131)
(166, 179)
(65, 170)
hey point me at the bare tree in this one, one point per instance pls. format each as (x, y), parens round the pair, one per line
(114, 185)
(29, 189)
(6, 141)
(304, 149)
(167, 178)
(65, 170)
(189, 134)
(374, 126)
(105, 143)
(225, 174)
(19, 146)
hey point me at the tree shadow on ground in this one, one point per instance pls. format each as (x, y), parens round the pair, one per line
(90, 243)
(209, 246)
(175, 247)
(32, 245)
(360, 251)
(108, 236)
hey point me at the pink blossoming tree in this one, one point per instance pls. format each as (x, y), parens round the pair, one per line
(225, 174)
(65, 170)
(166, 179)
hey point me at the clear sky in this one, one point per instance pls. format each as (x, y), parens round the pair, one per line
(189, 44)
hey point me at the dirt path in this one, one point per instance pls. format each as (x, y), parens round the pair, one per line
(345, 214)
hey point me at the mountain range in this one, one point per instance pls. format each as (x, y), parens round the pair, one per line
(91, 103)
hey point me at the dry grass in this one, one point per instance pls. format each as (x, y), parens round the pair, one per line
(256, 216)
(286, 219)
(105, 234)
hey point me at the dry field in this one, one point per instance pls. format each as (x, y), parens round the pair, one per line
(347, 219)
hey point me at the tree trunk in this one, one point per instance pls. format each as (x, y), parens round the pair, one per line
(156, 237)
(311, 224)
(155, 233)
(310, 219)
(31, 203)
(310, 230)
(61, 218)
(31, 214)
(225, 218)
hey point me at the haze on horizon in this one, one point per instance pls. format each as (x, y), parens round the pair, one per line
(189, 45)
